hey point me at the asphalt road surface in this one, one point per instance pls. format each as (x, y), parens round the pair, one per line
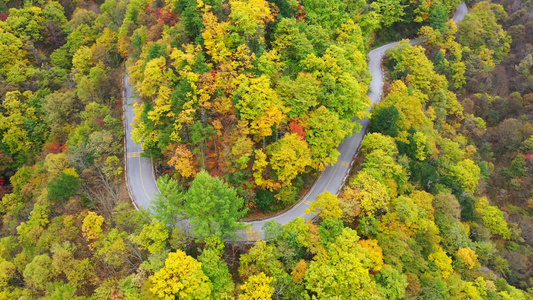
(140, 172)
(140, 176)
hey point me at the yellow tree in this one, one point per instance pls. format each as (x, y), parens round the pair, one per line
(13, 57)
(409, 104)
(257, 287)
(82, 61)
(424, 200)
(183, 161)
(13, 121)
(420, 70)
(260, 164)
(443, 263)
(242, 146)
(141, 132)
(8, 272)
(455, 52)
(153, 83)
(374, 253)
(92, 228)
(181, 278)
(326, 205)
(259, 105)
(370, 194)
(467, 173)
(481, 32)
(377, 140)
(250, 17)
(157, 85)
(56, 163)
(468, 257)
(216, 35)
(288, 157)
(262, 126)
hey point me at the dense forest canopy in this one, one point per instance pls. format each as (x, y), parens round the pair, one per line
(261, 94)
(242, 105)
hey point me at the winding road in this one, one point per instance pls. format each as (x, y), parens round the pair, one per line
(140, 177)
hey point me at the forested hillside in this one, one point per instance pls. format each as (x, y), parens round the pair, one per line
(260, 94)
(242, 105)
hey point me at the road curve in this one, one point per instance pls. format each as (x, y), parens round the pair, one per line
(140, 174)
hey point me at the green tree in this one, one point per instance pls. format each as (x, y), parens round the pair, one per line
(390, 11)
(60, 290)
(481, 32)
(31, 230)
(114, 248)
(199, 135)
(391, 283)
(64, 186)
(26, 22)
(384, 120)
(168, 205)
(112, 14)
(264, 199)
(492, 217)
(263, 258)
(60, 108)
(37, 273)
(300, 94)
(153, 237)
(326, 132)
(213, 207)
(77, 271)
(343, 91)
(332, 15)
(82, 16)
(291, 43)
(216, 269)
(438, 17)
